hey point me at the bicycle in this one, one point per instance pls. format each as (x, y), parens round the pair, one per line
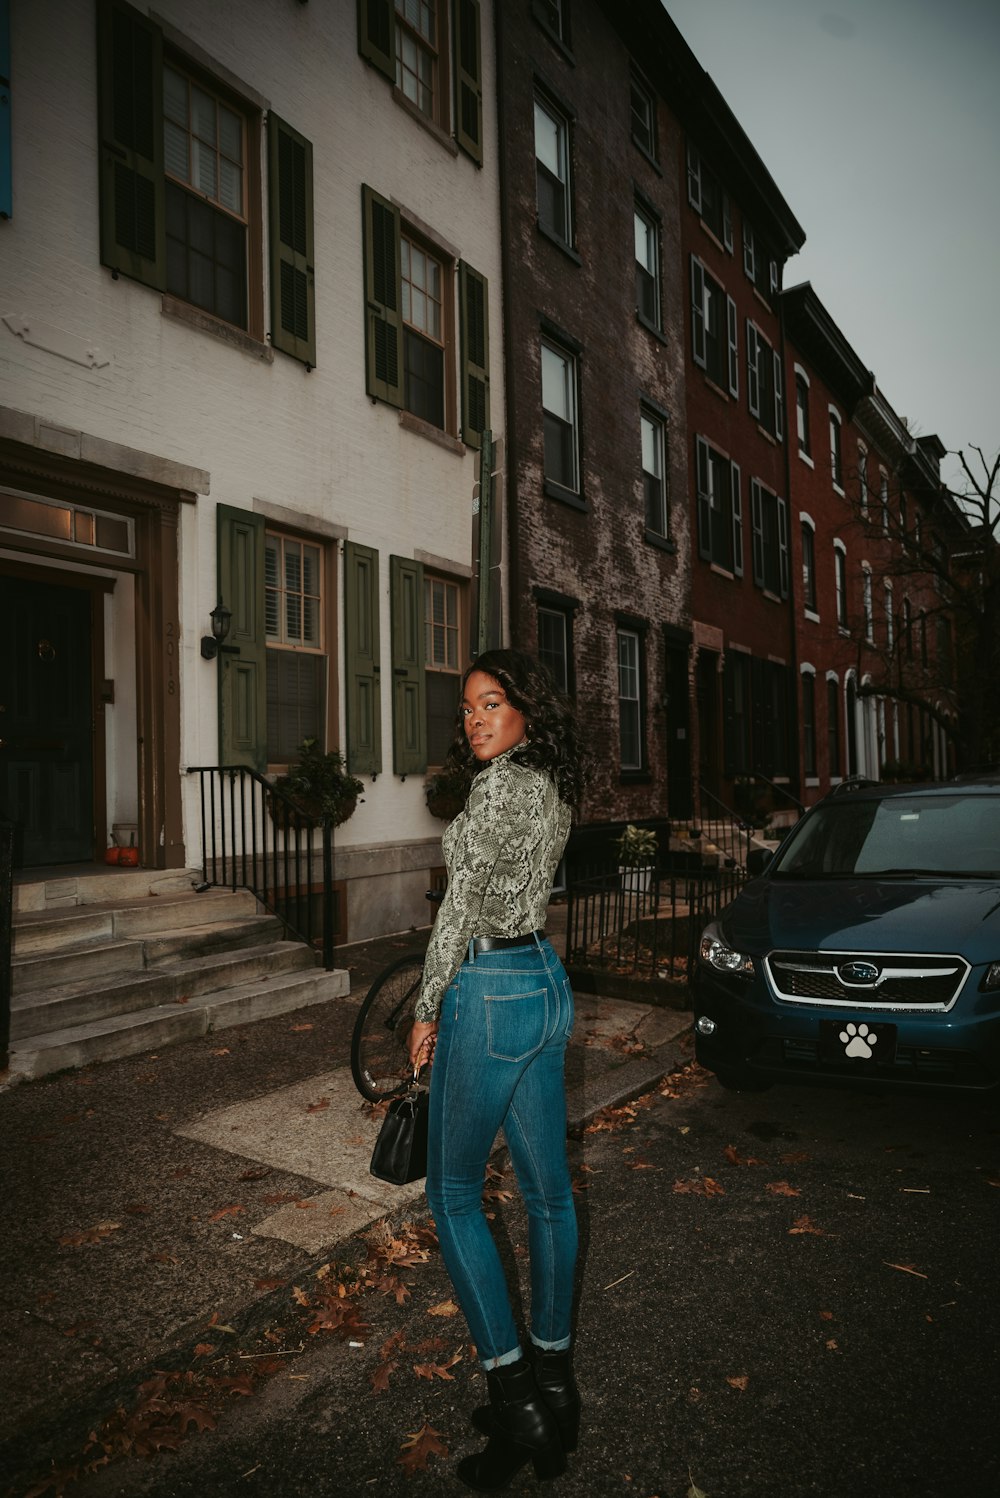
(380, 1065)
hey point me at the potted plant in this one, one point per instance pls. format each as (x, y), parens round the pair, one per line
(637, 849)
(445, 792)
(319, 785)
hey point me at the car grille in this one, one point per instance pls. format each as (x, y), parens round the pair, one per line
(901, 981)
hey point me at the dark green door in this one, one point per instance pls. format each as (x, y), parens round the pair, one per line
(47, 774)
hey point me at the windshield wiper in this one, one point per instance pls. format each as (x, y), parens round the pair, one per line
(928, 874)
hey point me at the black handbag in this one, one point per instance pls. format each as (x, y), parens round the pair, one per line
(400, 1153)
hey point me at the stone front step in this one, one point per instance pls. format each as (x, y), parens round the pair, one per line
(99, 886)
(167, 1024)
(56, 928)
(81, 1001)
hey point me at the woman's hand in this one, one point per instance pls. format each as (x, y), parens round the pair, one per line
(421, 1042)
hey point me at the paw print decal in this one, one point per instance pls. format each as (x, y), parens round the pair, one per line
(858, 1040)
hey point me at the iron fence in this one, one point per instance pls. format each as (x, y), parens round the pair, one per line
(255, 837)
(620, 926)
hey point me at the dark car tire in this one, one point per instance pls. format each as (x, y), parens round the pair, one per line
(738, 1079)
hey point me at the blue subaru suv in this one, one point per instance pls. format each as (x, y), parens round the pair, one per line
(866, 949)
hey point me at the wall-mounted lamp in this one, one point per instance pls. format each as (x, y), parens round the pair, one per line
(211, 645)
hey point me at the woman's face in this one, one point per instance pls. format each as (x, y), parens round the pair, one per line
(491, 723)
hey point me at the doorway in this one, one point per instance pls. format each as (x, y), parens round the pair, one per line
(707, 697)
(47, 720)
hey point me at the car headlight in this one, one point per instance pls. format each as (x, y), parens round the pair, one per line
(991, 979)
(717, 953)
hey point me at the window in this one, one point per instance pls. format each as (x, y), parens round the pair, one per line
(808, 565)
(654, 473)
(907, 628)
(422, 285)
(802, 412)
(417, 53)
(765, 391)
(769, 515)
(411, 353)
(863, 479)
(808, 722)
(836, 462)
(408, 42)
(643, 117)
(761, 268)
(647, 267)
(559, 407)
(890, 623)
(840, 582)
(552, 176)
(708, 199)
(442, 658)
(720, 509)
(181, 189)
(866, 602)
(714, 344)
(554, 645)
(295, 655)
(629, 700)
(554, 16)
(883, 500)
(833, 727)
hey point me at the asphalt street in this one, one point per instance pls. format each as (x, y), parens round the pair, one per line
(785, 1294)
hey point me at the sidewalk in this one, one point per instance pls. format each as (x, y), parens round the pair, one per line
(148, 1198)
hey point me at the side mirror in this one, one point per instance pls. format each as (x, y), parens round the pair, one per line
(758, 860)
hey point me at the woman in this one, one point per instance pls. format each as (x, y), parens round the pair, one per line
(494, 1014)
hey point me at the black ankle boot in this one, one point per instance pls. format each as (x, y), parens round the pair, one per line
(558, 1389)
(521, 1430)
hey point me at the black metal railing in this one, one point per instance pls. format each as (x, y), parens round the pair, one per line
(726, 828)
(255, 837)
(7, 831)
(622, 925)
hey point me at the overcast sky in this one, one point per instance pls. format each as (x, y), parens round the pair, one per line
(879, 120)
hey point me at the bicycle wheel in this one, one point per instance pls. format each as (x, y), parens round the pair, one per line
(379, 1063)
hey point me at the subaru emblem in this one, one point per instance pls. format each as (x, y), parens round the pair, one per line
(858, 972)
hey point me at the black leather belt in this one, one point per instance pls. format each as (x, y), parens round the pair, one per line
(500, 943)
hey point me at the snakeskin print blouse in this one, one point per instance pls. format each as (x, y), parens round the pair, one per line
(501, 853)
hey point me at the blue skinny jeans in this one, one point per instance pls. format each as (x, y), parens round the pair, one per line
(499, 1063)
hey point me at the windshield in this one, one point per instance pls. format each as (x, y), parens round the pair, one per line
(902, 836)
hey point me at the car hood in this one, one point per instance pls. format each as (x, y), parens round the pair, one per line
(868, 915)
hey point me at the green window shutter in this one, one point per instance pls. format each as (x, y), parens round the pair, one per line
(376, 35)
(383, 311)
(290, 207)
(130, 112)
(474, 307)
(361, 659)
(468, 79)
(242, 677)
(409, 691)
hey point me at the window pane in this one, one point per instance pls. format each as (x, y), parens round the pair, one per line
(548, 141)
(651, 448)
(553, 651)
(645, 243)
(556, 385)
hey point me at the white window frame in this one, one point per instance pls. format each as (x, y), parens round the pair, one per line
(840, 583)
(836, 449)
(572, 387)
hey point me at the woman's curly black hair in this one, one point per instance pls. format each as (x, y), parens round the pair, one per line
(551, 742)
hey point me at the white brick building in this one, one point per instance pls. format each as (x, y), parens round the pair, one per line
(249, 305)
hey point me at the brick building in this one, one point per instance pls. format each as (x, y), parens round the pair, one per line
(599, 536)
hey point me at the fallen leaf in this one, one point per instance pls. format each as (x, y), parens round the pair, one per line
(782, 1188)
(203, 1349)
(269, 1284)
(96, 1234)
(739, 1381)
(300, 1296)
(734, 1158)
(831, 1343)
(806, 1225)
(381, 1375)
(297, 1029)
(418, 1447)
(700, 1186)
(183, 998)
(232, 1211)
(793, 1157)
(906, 1269)
(305, 1205)
(826, 1315)
(257, 1173)
(162, 1257)
(223, 1050)
(694, 1491)
(138, 1209)
(444, 1308)
(324, 1102)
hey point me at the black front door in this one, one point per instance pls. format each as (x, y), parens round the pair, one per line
(46, 720)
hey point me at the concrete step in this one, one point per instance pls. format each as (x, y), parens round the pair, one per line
(82, 1001)
(49, 930)
(178, 945)
(99, 886)
(162, 1025)
(91, 962)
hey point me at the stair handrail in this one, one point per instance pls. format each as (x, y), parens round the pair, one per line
(264, 871)
(735, 825)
